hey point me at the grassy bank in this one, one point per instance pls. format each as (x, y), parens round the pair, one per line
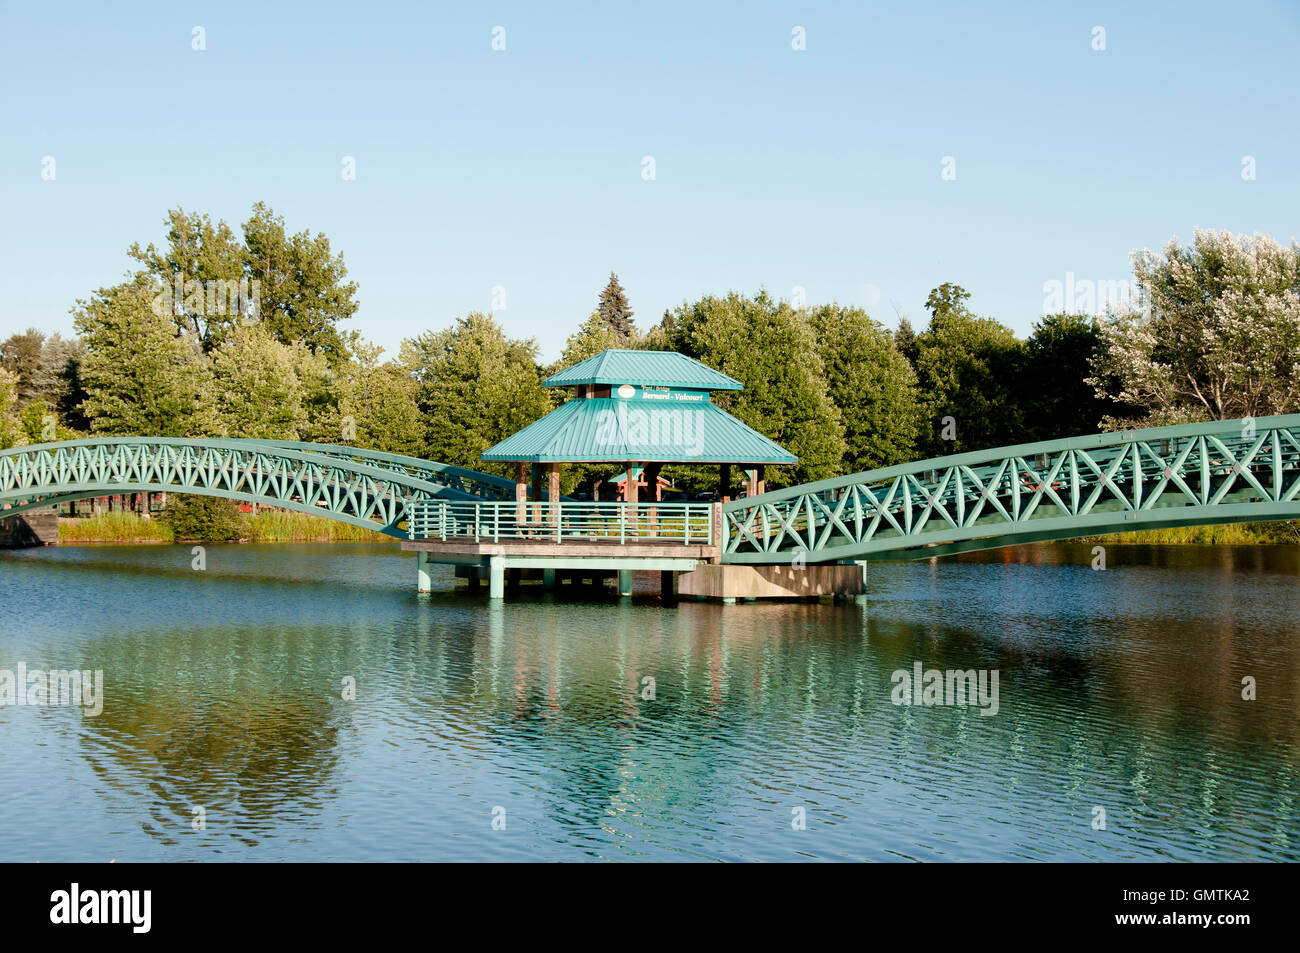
(1228, 534)
(268, 526)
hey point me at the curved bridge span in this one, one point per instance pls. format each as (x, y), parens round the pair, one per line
(363, 487)
(1217, 472)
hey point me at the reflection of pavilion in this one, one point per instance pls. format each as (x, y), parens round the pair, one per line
(639, 410)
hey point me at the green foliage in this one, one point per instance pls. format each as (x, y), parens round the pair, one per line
(871, 383)
(1055, 397)
(202, 518)
(20, 354)
(377, 405)
(614, 313)
(140, 377)
(948, 298)
(593, 336)
(475, 387)
(11, 430)
(300, 295)
(258, 391)
(905, 340)
(967, 368)
(770, 348)
(1220, 337)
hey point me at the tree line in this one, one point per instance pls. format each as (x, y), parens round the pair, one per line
(1214, 333)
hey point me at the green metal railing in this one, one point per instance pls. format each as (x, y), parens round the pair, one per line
(1216, 472)
(361, 487)
(562, 522)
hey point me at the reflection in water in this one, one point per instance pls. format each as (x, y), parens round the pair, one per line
(1119, 689)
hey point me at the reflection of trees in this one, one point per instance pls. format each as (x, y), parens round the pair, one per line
(222, 720)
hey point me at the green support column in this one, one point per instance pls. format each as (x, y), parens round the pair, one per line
(423, 582)
(548, 578)
(625, 582)
(497, 577)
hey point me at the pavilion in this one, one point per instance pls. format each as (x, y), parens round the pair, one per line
(640, 410)
(635, 410)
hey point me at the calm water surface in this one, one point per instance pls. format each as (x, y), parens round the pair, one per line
(1118, 689)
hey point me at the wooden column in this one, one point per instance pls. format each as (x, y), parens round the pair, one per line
(521, 491)
(553, 495)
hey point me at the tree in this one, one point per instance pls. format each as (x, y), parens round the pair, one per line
(872, 385)
(593, 336)
(57, 380)
(1053, 392)
(614, 312)
(1219, 337)
(948, 298)
(20, 354)
(11, 431)
(202, 518)
(303, 293)
(966, 368)
(770, 348)
(377, 404)
(140, 376)
(209, 281)
(258, 392)
(184, 275)
(475, 387)
(905, 339)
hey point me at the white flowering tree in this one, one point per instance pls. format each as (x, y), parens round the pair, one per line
(1217, 336)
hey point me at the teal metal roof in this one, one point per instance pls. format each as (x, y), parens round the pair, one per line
(648, 368)
(606, 429)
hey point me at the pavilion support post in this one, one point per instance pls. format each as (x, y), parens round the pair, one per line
(497, 577)
(521, 490)
(553, 492)
(724, 483)
(537, 493)
(761, 482)
(423, 580)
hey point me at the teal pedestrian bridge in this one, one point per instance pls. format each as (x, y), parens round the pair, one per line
(1215, 472)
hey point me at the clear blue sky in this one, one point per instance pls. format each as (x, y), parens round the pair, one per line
(775, 168)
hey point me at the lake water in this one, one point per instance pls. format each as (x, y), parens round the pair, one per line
(772, 733)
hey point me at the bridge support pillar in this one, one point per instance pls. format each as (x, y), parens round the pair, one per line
(423, 581)
(625, 582)
(497, 577)
(548, 578)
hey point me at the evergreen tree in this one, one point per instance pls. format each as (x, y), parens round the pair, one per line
(614, 312)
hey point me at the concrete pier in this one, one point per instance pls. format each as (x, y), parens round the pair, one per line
(32, 528)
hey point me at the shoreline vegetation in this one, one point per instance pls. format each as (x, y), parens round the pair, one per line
(283, 526)
(268, 526)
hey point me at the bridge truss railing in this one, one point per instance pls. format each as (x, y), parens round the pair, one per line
(339, 485)
(563, 522)
(1223, 471)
